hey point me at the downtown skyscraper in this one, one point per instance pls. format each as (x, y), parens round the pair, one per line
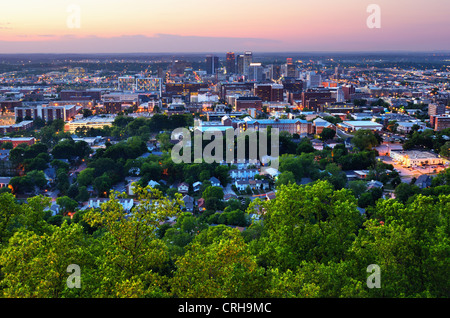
(231, 63)
(212, 64)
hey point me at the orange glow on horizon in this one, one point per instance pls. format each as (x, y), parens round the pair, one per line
(286, 24)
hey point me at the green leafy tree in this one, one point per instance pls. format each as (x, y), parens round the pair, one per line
(85, 177)
(213, 192)
(445, 150)
(83, 194)
(311, 222)
(408, 242)
(327, 134)
(223, 268)
(404, 191)
(66, 204)
(102, 184)
(305, 146)
(35, 266)
(285, 178)
(133, 253)
(9, 211)
(358, 187)
(365, 139)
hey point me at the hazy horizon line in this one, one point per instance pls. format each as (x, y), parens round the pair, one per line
(224, 52)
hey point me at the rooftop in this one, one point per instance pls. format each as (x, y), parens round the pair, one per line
(361, 123)
(273, 121)
(416, 154)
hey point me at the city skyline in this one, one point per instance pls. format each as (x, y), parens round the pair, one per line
(204, 26)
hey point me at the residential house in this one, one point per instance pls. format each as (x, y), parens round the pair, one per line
(244, 163)
(242, 185)
(96, 203)
(183, 187)
(317, 144)
(423, 181)
(4, 181)
(201, 204)
(129, 187)
(215, 182)
(54, 208)
(197, 186)
(189, 203)
(153, 183)
(374, 184)
(361, 174)
(271, 172)
(405, 127)
(243, 173)
(270, 195)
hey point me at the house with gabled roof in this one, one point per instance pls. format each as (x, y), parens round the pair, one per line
(183, 187)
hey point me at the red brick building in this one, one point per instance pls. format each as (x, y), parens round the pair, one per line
(270, 92)
(243, 103)
(439, 123)
(17, 141)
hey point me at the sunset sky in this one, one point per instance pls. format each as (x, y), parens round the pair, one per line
(107, 26)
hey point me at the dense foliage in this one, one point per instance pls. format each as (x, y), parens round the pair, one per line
(311, 241)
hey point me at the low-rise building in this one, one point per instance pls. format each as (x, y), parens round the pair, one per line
(405, 127)
(320, 124)
(4, 181)
(89, 122)
(439, 123)
(353, 125)
(292, 126)
(242, 185)
(18, 140)
(243, 173)
(23, 125)
(416, 158)
(47, 113)
(96, 203)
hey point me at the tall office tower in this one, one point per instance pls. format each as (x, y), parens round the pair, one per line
(275, 72)
(255, 72)
(231, 63)
(313, 80)
(212, 64)
(338, 71)
(248, 59)
(289, 69)
(240, 64)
